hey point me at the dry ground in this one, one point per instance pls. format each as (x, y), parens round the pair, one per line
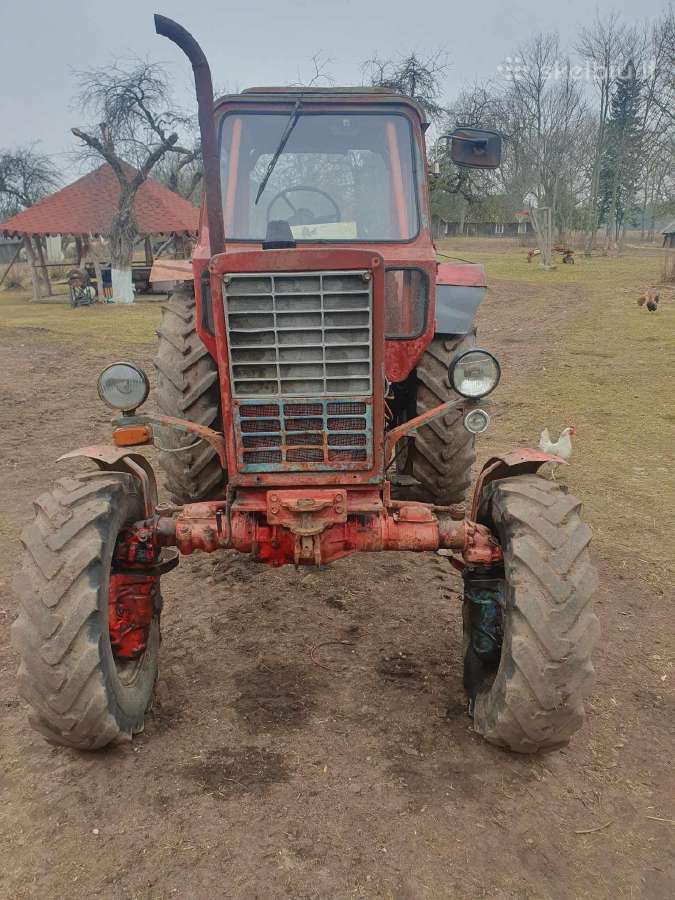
(268, 770)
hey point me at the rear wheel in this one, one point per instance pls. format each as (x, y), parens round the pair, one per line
(187, 388)
(81, 694)
(530, 628)
(440, 456)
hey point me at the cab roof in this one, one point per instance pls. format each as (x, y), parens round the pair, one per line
(327, 95)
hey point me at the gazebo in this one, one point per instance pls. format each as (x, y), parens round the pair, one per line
(85, 209)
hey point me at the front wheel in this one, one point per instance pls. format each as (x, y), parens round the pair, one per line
(442, 452)
(187, 388)
(529, 627)
(87, 684)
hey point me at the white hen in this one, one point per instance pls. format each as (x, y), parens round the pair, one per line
(562, 447)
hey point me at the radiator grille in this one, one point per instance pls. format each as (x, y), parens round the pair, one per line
(321, 435)
(306, 334)
(301, 369)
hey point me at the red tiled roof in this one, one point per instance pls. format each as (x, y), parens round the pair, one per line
(87, 207)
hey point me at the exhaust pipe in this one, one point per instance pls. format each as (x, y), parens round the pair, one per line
(204, 91)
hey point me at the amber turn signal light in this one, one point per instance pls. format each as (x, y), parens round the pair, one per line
(130, 435)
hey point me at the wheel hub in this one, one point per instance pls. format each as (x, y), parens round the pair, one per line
(484, 591)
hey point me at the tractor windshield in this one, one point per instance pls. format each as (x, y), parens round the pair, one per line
(338, 178)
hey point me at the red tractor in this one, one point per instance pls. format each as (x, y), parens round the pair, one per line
(320, 389)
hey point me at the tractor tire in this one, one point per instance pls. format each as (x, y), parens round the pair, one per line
(440, 456)
(187, 388)
(80, 695)
(533, 698)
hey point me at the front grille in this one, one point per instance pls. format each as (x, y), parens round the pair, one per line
(290, 436)
(301, 369)
(306, 334)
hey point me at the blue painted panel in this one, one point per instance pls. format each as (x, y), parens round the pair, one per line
(456, 307)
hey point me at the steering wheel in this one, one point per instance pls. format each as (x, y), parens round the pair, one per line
(300, 215)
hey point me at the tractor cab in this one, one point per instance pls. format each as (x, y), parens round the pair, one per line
(339, 165)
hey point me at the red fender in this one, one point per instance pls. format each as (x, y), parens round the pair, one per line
(523, 461)
(119, 459)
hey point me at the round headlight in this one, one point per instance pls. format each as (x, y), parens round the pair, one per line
(474, 373)
(123, 386)
(476, 421)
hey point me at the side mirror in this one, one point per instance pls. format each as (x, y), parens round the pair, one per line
(475, 147)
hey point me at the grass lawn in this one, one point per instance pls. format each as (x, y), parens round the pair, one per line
(95, 328)
(611, 373)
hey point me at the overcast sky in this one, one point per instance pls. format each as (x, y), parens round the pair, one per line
(259, 42)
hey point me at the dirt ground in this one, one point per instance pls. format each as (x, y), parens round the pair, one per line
(310, 738)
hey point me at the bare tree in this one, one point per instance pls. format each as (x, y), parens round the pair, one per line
(454, 190)
(540, 110)
(662, 45)
(545, 108)
(658, 122)
(417, 77)
(604, 47)
(136, 125)
(26, 176)
(182, 172)
(319, 72)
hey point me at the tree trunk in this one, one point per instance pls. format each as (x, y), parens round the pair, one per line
(32, 264)
(592, 216)
(462, 216)
(78, 252)
(123, 234)
(541, 221)
(643, 228)
(592, 227)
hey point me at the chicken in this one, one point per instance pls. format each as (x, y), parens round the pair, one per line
(650, 299)
(562, 447)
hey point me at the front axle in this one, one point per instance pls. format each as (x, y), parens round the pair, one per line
(309, 527)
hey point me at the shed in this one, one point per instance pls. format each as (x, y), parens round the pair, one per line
(669, 235)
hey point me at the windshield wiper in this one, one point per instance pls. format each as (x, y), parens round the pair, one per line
(290, 125)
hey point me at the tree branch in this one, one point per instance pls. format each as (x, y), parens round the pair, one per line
(104, 151)
(153, 158)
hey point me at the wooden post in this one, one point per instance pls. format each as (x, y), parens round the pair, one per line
(96, 259)
(181, 246)
(84, 252)
(78, 252)
(32, 265)
(43, 265)
(148, 251)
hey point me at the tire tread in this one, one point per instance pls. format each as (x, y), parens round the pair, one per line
(536, 700)
(60, 674)
(442, 452)
(188, 388)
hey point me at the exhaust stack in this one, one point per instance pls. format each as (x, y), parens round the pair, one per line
(204, 91)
